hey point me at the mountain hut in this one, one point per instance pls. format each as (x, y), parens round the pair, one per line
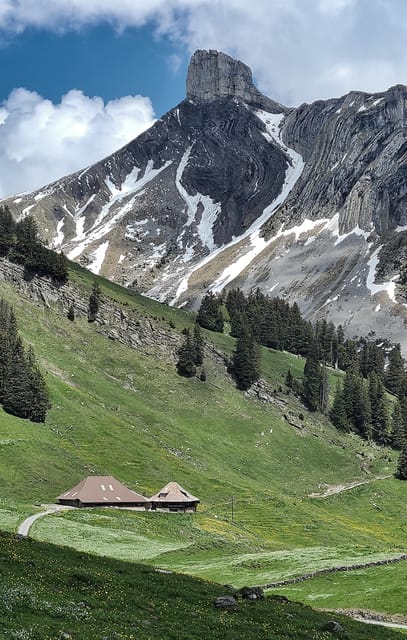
(173, 497)
(103, 491)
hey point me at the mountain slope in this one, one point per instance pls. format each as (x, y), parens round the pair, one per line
(120, 408)
(230, 188)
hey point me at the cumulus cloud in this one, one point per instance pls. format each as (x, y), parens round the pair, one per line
(41, 141)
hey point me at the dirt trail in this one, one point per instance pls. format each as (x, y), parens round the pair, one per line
(339, 488)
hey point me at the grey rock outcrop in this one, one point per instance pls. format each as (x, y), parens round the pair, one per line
(213, 74)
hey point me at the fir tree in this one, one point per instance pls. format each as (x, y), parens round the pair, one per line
(399, 435)
(7, 231)
(210, 313)
(289, 380)
(337, 413)
(379, 416)
(401, 472)
(17, 397)
(246, 360)
(198, 345)
(94, 302)
(395, 374)
(71, 313)
(186, 357)
(324, 391)
(311, 384)
(39, 394)
(357, 403)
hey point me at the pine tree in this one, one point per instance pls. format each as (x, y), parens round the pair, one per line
(311, 384)
(39, 394)
(395, 374)
(7, 231)
(337, 413)
(357, 405)
(17, 398)
(289, 380)
(94, 302)
(399, 435)
(186, 357)
(379, 416)
(210, 313)
(324, 391)
(401, 472)
(198, 345)
(246, 360)
(71, 313)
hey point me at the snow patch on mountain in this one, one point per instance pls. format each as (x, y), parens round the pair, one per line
(387, 287)
(98, 257)
(130, 189)
(293, 172)
(210, 209)
(357, 231)
(59, 238)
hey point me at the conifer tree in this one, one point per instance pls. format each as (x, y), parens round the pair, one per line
(7, 231)
(399, 435)
(395, 374)
(210, 313)
(289, 380)
(198, 345)
(39, 394)
(94, 302)
(401, 472)
(324, 391)
(71, 313)
(379, 417)
(337, 413)
(246, 360)
(17, 397)
(186, 366)
(311, 384)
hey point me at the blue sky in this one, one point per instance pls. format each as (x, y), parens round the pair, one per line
(79, 79)
(97, 60)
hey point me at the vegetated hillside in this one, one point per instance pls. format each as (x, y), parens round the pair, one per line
(123, 410)
(47, 593)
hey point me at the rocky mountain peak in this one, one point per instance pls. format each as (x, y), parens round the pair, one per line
(213, 74)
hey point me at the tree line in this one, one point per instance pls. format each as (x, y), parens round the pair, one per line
(372, 366)
(23, 392)
(20, 243)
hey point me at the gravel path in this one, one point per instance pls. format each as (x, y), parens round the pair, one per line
(24, 527)
(331, 491)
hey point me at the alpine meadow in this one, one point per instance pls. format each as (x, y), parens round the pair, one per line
(203, 390)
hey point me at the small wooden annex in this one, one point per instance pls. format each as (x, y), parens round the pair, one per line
(173, 497)
(103, 491)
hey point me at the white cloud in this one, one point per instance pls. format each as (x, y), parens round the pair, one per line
(41, 141)
(296, 48)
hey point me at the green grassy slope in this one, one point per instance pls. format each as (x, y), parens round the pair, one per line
(47, 592)
(118, 411)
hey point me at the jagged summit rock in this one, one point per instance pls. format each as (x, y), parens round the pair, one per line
(213, 74)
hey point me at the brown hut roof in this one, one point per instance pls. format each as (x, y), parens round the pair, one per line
(173, 492)
(102, 490)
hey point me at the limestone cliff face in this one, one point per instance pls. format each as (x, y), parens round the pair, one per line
(355, 149)
(230, 188)
(213, 75)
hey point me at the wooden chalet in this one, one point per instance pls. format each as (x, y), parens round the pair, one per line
(103, 491)
(173, 497)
